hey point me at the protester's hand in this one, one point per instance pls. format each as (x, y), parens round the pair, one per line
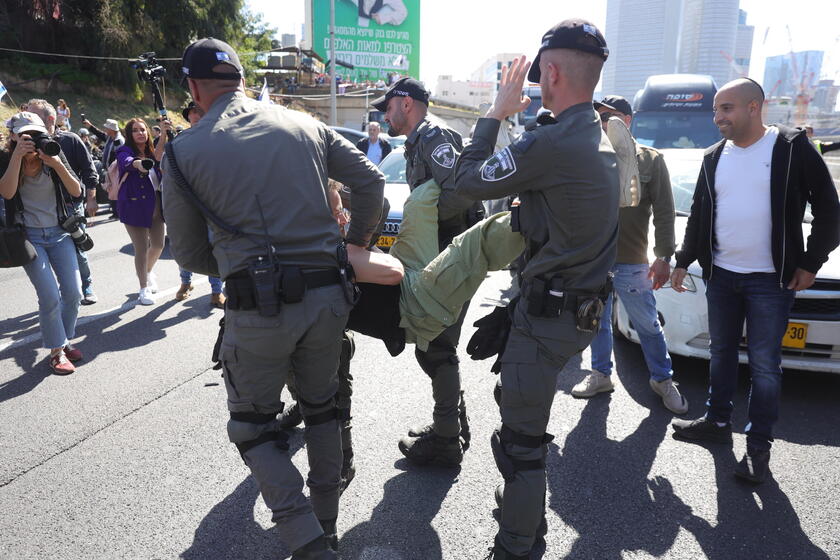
(25, 145)
(87, 123)
(509, 99)
(166, 125)
(677, 278)
(659, 273)
(802, 280)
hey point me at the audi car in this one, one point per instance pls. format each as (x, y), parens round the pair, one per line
(812, 340)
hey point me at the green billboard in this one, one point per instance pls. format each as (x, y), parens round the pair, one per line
(377, 37)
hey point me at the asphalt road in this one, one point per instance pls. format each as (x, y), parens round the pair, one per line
(128, 457)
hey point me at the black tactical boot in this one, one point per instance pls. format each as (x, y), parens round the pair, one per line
(317, 549)
(291, 417)
(330, 533)
(431, 448)
(498, 552)
(463, 420)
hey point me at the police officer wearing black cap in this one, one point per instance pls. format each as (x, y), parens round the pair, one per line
(431, 152)
(566, 175)
(256, 174)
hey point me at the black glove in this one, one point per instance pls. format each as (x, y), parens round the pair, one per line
(491, 337)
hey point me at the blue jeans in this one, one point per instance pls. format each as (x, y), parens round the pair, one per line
(58, 304)
(633, 288)
(765, 305)
(215, 283)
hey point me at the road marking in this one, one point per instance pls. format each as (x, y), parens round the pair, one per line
(8, 344)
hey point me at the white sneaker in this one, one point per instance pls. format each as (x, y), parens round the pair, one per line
(671, 397)
(594, 383)
(145, 297)
(628, 166)
(151, 282)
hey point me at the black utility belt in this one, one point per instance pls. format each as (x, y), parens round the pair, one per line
(265, 289)
(547, 298)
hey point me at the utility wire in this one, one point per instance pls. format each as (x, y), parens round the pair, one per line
(105, 57)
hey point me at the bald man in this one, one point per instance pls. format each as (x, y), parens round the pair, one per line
(374, 146)
(745, 229)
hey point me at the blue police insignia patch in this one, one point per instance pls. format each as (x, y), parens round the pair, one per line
(432, 133)
(501, 165)
(444, 155)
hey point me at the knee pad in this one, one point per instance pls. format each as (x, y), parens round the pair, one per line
(247, 430)
(348, 345)
(507, 465)
(333, 413)
(497, 392)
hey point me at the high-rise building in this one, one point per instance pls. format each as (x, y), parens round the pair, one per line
(470, 93)
(825, 96)
(786, 74)
(740, 62)
(642, 36)
(288, 40)
(491, 69)
(708, 38)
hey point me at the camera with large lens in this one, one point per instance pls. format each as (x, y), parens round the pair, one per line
(147, 164)
(80, 238)
(45, 143)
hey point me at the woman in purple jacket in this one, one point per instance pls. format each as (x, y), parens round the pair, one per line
(138, 202)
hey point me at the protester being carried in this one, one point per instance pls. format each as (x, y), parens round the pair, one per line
(36, 187)
(138, 202)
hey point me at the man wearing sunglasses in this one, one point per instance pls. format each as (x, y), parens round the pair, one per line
(635, 280)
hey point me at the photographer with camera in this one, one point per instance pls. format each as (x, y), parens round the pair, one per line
(37, 184)
(81, 164)
(138, 201)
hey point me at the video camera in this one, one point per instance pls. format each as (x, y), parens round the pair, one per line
(148, 69)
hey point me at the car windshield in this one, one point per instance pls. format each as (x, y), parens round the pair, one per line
(663, 130)
(393, 166)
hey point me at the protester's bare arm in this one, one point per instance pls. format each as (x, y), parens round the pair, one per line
(375, 267)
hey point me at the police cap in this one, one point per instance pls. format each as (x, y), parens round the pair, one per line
(576, 34)
(202, 56)
(615, 103)
(404, 87)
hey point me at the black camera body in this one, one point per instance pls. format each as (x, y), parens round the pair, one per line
(148, 69)
(147, 163)
(45, 143)
(80, 238)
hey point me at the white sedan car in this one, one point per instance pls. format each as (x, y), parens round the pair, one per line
(812, 341)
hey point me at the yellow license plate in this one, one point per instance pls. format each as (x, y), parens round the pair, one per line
(385, 240)
(795, 335)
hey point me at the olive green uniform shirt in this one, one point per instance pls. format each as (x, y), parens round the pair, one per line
(633, 221)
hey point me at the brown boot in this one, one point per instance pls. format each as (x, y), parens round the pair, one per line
(183, 292)
(218, 301)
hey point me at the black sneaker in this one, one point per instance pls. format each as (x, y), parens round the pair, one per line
(89, 297)
(702, 430)
(755, 466)
(290, 418)
(463, 420)
(330, 533)
(498, 552)
(431, 448)
(317, 549)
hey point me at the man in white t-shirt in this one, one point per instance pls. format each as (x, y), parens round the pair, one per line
(745, 229)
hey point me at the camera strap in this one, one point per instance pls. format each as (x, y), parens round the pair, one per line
(175, 172)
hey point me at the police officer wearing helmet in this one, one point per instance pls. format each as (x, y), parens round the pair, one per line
(431, 152)
(565, 173)
(256, 175)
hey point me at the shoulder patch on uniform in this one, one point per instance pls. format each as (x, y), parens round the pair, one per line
(444, 155)
(434, 131)
(523, 142)
(501, 165)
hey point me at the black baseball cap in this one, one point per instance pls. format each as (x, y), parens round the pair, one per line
(203, 55)
(615, 103)
(577, 34)
(185, 112)
(404, 87)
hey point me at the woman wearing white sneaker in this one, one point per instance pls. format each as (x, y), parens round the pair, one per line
(138, 201)
(34, 186)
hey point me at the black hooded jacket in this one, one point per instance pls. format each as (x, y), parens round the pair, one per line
(798, 175)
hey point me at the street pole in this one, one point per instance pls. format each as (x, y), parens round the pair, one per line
(333, 102)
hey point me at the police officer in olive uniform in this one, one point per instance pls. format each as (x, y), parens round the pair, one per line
(431, 152)
(566, 175)
(256, 175)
